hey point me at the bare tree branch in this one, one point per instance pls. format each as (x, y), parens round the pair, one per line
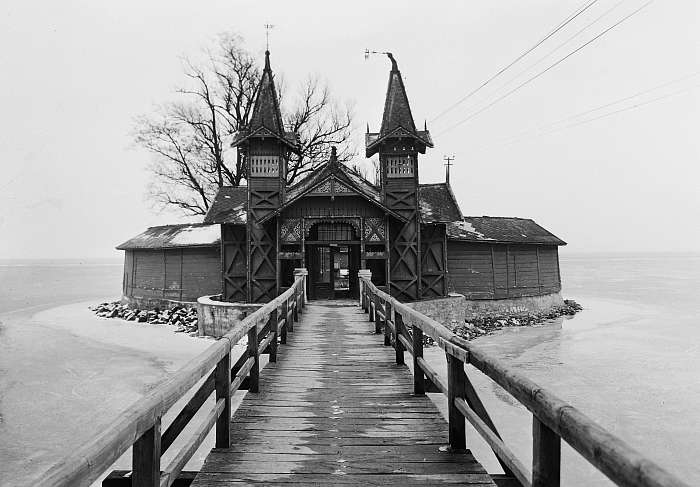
(190, 137)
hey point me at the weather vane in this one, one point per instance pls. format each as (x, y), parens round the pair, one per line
(368, 52)
(267, 35)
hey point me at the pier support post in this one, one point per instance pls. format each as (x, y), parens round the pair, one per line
(455, 388)
(222, 385)
(146, 458)
(546, 455)
(272, 320)
(418, 376)
(253, 352)
(398, 346)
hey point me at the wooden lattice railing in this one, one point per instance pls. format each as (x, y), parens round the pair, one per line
(140, 424)
(553, 419)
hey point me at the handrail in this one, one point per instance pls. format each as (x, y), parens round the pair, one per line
(140, 424)
(553, 419)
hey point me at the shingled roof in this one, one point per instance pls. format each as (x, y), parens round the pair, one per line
(397, 119)
(266, 119)
(500, 230)
(229, 206)
(175, 236)
(437, 203)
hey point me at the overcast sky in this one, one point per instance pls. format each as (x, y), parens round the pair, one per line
(73, 75)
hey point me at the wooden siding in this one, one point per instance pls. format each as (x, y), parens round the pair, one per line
(319, 206)
(496, 271)
(173, 274)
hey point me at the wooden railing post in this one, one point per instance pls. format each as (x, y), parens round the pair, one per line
(387, 317)
(253, 352)
(377, 319)
(546, 455)
(146, 458)
(288, 316)
(418, 376)
(272, 320)
(364, 276)
(222, 386)
(456, 387)
(295, 310)
(372, 306)
(398, 346)
(283, 331)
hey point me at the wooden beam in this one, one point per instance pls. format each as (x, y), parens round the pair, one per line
(146, 458)
(546, 455)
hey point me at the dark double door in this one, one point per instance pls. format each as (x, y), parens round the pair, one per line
(333, 270)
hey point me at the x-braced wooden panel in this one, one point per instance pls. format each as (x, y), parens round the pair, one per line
(235, 275)
(402, 201)
(404, 260)
(263, 263)
(432, 275)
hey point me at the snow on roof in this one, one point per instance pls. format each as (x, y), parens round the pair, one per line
(174, 236)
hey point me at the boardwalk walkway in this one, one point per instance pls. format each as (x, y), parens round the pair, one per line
(336, 410)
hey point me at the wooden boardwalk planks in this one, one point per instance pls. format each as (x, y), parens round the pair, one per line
(336, 410)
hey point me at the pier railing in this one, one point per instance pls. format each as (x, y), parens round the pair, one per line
(140, 424)
(553, 419)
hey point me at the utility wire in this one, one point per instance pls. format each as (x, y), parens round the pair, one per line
(561, 60)
(595, 21)
(538, 131)
(502, 70)
(605, 115)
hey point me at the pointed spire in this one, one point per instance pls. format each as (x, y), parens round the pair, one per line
(397, 111)
(266, 111)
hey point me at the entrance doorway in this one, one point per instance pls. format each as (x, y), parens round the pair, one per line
(333, 270)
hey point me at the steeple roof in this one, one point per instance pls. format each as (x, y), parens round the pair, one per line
(266, 119)
(266, 111)
(397, 120)
(397, 111)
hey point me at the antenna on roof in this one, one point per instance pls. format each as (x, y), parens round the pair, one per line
(268, 27)
(448, 164)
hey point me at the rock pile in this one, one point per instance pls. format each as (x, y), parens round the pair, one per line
(182, 317)
(485, 325)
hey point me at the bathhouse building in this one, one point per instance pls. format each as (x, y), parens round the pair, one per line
(413, 237)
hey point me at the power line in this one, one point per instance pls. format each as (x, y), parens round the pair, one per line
(561, 60)
(605, 115)
(523, 134)
(595, 21)
(502, 70)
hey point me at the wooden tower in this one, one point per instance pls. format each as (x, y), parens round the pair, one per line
(265, 146)
(398, 144)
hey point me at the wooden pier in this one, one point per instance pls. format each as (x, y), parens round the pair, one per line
(336, 405)
(335, 409)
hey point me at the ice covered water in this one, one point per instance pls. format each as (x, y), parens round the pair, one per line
(630, 360)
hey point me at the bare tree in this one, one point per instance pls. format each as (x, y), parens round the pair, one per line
(190, 138)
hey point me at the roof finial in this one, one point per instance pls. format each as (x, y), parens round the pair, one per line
(394, 66)
(334, 155)
(267, 37)
(367, 127)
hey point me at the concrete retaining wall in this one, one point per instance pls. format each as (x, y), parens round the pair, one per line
(216, 318)
(457, 308)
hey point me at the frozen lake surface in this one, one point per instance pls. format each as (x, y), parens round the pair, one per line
(630, 360)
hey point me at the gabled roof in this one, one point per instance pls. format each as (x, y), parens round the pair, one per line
(500, 230)
(333, 170)
(230, 205)
(266, 119)
(397, 120)
(437, 203)
(175, 236)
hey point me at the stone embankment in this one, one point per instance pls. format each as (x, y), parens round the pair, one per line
(486, 325)
(183, 318)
